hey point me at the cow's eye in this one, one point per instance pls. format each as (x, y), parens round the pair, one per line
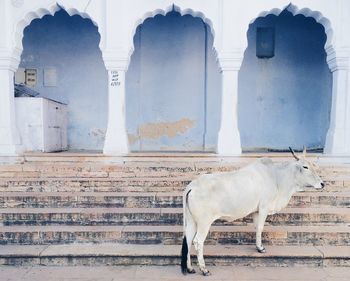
(306, 167)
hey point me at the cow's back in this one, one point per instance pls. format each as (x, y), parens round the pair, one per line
(235, 194)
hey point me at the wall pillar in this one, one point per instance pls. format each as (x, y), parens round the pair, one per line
(10, 143)
(229, 141)
(338, 135)
(116, 142)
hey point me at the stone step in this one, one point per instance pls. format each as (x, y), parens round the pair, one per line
(84, 184)
(97, 210)
(144, 199)
(272, 235)
(90, 199)
(116, 185)
(116, 254)
(163, 166)
(91, 157)
(156, 164)
(69, 156)
(169, 235)
(161, 216)
(134, 172)
(100, 172)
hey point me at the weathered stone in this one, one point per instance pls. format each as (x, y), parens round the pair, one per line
(138, 200)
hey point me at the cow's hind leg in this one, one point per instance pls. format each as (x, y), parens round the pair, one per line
(259, 224)
(202, 232)
(191, 230)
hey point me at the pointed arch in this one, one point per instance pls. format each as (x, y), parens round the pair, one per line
(316, 15)
(163, 12)
(38, 13)
(302, 40)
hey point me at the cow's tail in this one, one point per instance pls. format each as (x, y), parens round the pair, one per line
(184, 249)
(184, 252)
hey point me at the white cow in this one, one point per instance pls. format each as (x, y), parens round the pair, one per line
(261, 188)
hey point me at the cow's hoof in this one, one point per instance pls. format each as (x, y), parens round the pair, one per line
(206, 273)
(261, 250)
(191, 271)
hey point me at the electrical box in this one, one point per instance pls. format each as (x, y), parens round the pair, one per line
(31, 77)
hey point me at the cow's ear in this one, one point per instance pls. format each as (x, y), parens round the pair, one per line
(304, 151)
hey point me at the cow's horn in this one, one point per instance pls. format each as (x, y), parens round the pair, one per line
(292, 151)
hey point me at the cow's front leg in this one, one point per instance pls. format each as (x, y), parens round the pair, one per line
(259, 224)
(198, 242)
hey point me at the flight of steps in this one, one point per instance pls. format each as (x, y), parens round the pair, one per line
(66, 209)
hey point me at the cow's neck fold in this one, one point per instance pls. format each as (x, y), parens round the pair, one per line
(286, 185)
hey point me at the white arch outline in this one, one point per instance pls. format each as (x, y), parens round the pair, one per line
(319, 18)
(316, 15)
(40, 12)
(163, 12)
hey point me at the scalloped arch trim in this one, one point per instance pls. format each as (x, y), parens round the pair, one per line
(163, 12)
(40, 12)
(316, 15)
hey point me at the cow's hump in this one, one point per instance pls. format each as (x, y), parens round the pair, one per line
(266, 161)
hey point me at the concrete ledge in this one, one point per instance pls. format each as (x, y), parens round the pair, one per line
(4, 159)
(118, 254)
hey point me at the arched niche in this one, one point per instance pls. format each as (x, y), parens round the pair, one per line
(285, 100)
(173, 85)
(69, 45)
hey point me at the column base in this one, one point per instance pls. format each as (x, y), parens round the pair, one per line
(115, 145)
(229, 144)
(336, 143)
(11, 150)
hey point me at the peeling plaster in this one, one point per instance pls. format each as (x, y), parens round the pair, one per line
(132, 138)
(97, 132)
(161, 129)
(169, 129)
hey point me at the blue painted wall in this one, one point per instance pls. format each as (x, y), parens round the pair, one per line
(285, 100)
(173, 86)
(70, 44)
